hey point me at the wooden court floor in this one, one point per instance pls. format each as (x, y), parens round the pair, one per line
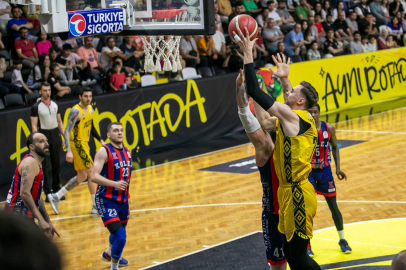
(177, 209)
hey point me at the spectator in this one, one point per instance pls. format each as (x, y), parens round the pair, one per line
(234, 61)
(319, 26)
(303, 10)
(3, 66)
(364, 43)
(66, 73)
(108, 52)
(352, 21)
(77, 66)
(385, 6)
(208, 54)
(281, 50)
(225, 9)
(342, 30)
(331, 46)
(287, 20)
(57, 90)
(118, 40)
(119, 60)
(390, 43)
(362, 9)
(356, 45)
(291, 5)
(188, 51)
(382, 39)
(261, 18)
(59, 43)
(262, 53)
(16, 23)
(306, 34)
(237, 10)
(25, 49)
(366, 26)
(395, 7)
(88, 53)
(378, 13)
(403, 21)
(220, 46)
(5, 12)
(397, 30)
(7, 88)
(373, 47)
(272, 35)
(313, 31)
(131, 55)
(217, 18)
(318, 10)
(43, 44)
(118, 79)
(273, 13)
(40, 72)
(328, 23)
(251, 7)
(327, 9)
(313, 53)
(340, 8)
(399, 261)
(294, 41)
(17, 78)
(264, 3)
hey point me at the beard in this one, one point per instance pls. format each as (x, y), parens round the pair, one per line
(41, 152)
(117, 141)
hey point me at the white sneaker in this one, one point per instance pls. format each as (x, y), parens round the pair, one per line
(54, 201)
(94, 210)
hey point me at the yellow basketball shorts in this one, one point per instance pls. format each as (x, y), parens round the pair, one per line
(297, 208)
(81, 155)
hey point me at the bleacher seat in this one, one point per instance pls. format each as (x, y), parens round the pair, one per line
(12, 100)
(6, 55)
(31, 98)
(205, 72)
(190, 73)
(218, 71)
(147, 80)
(7, 76)
(25, 73)
(296, 58)
(2, 105)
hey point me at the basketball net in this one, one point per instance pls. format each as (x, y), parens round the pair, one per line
(156, 47)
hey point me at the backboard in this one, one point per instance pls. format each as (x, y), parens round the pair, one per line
(158, 17)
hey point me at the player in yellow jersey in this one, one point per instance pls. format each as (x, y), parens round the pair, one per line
(294, 147)
(77, 135)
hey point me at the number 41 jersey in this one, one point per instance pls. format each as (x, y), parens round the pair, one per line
(117, 168)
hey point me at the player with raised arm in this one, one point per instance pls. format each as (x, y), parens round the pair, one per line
(295, 144)
(264, 147)
(24, 196)
(321, 176)
(112, 172)
(77, 135)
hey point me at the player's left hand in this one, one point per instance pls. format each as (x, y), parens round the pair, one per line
(341, 175)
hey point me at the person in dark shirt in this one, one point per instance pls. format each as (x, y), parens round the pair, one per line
(57, 90)
(366, 26)
(281, 50)
(132, 56)
(395, 7)
(328, 23)
(237, 10)
(130, 83)
(331, 44)
(341, 28)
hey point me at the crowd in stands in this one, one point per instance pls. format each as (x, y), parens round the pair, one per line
(303, 30)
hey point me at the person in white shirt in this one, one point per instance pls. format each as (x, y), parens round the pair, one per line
(220, 44)
(373, 47)
(17, 78)
(108, 52)
(5, 12)
(313, 53)
(364, 44)
(340, 7)
(261, 18)
(285, 28)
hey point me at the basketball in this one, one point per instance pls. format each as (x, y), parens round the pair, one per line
(242, 21)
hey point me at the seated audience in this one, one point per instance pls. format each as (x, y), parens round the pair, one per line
(110, 51)
(131, 55)
(340, 8)
(118, 79)
(188, 51)
(88, 53)
(367, 27)
(262, 53)
(25, 49)
(5, 11)
(251, 7)
(395, 7)
(17, 78)
(303, 10)
(287, 20)
(217, 18)
(237, 10)
(397, 30)
(331, 46)
(318, 10)
(118, 40)
(352, 21)
(382, 39)
(7, 88)
(43, 44)
(364, 43)
(225, 9)
(373, 46)
(72, 42)
(294, 42)
(205, 46)
(57, 90)
(272, 35)
(313, 53)
(390, 43)
(280, 50)
(342, 31)
(261, 18)
(362, 9)
(356, 45)
(379, 14)
(16, 23)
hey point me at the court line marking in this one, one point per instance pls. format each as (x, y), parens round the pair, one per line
(214, 205)
(352, 242)
(372, 131)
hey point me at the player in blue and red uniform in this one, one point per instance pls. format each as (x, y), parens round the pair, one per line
(264, 147)
(24, 196)
(322, 177)
(112, 172)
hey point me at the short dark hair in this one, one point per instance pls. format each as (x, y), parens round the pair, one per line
(66, 47)
(14, 7)
(318, 106)
(357, 32)
(22, 28)
(368, 13)
(329, 14)
(364, 37)
(117, 57)
(107, 40)
(116, 64)
(113, 124)
(85, 89)
(314, 41)
(44, 84)
(269, 2)
(52, 49)
(53, 66)
(30, 139)
(310, 94)
(399, 261)
(330, 29)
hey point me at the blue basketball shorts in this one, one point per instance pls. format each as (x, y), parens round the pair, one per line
(273, 239)
(323, 181)
(111, 211)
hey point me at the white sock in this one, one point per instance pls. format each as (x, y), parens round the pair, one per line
(61, 192)
(108, 250)
(341, 234)
(93, 199)
(114, 266)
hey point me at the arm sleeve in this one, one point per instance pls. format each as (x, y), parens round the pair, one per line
(94, 133)
(253, 89)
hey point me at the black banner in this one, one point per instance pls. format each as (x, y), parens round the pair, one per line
(154, 119)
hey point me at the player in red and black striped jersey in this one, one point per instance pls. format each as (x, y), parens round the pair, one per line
(321, 175)
(24, 196)
(264, 146)
(112, 172)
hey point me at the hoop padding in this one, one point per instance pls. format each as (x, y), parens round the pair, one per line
(155, 46)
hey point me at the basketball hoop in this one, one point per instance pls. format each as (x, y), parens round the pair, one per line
(159, 48)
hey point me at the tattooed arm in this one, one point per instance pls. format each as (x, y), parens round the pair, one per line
(44, 214)
(73, 117)
(28, 170)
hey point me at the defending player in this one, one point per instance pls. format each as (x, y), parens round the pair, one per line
(321, 176)
(295, 144)
(263, 156)
(77, 135)
(24, 196)
(112, 172)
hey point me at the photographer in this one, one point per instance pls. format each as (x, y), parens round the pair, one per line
(234, 60)
(188, 51)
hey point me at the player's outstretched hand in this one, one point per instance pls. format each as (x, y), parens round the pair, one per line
(121, 185)
(282, 66)
(341, 175)
(69, 157)
(246, 45)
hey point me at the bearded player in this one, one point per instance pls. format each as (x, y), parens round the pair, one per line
(321, 176)
(112, 172)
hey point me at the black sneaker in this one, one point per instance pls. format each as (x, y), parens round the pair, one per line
(63, 198)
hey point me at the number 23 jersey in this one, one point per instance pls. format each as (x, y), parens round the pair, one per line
(117, 168)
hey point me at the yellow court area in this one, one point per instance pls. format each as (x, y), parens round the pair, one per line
(177, 209)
